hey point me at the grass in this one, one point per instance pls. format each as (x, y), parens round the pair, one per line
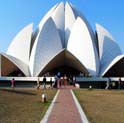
(102, 106)
(23, 106)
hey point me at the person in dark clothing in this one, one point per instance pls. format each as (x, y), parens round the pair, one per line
(44, 82)
(119, 83)
(55, 81)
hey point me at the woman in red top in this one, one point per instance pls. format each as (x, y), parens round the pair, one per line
(12, 83)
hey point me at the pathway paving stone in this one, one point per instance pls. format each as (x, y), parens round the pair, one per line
(64, 110)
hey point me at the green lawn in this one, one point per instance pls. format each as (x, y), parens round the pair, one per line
(23, 106)
(102, 106)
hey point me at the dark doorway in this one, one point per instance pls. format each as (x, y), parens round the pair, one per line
(64, 70)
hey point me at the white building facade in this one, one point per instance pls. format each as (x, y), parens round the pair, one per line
(63, 41)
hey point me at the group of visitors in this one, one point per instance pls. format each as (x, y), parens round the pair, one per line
(114, 85)
(44, 83)
(38, 83)
(58, 82)
(61, 81)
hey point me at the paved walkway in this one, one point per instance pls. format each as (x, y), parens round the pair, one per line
(64, 110)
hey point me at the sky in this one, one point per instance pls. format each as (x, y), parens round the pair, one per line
(16, 14)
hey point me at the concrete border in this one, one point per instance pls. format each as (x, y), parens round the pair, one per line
(80, 110)
(46, 116)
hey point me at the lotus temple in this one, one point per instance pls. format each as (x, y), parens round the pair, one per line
(64, 41)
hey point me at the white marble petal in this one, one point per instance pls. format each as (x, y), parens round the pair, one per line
(108, 48)
(82, 46)
(20, 65)
(20, 46)
(58, 17)
(45, 18)
(69, 21)
(76, 14)
(46, 46)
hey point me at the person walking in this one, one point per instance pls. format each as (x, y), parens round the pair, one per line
(108, 84)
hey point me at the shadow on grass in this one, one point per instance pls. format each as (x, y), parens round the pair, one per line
(18, 92)
(49, 102)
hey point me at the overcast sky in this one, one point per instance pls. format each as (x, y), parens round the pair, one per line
(16, 14)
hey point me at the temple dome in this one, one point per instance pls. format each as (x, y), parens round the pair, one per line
(64, 38)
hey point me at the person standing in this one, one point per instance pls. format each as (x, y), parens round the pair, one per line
(44, 82)
(65, 80)
(51, 83)
(58, 83)
(13, 83)
(55, 82)
(74, 81)
(38, 83)
(58, 79)
(119, 83)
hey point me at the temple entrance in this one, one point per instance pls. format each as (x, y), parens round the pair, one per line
(65, 73)
(65, 70)
(66, 64)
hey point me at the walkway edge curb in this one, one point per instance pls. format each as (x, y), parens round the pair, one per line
(80, 110)
(49, 110)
